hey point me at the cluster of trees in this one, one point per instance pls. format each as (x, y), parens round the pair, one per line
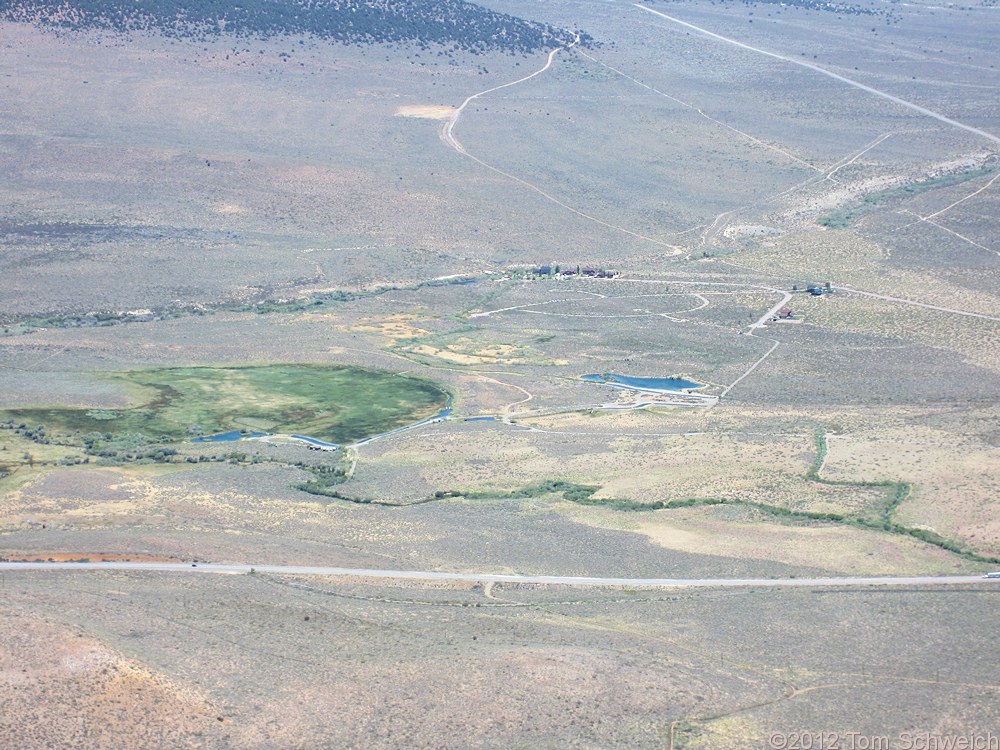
(36, 434)
(327, 477)
(125, 447)
(454, 23)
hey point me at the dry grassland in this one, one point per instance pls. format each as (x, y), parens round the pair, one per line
(951, 490)
(449, 666)
(975, 341)
(939, 708)
(466, 351)
(60, 688)
(846, 258)
(956, 486)
(189, 174)
(748, 534)
(760, 468)
(393, 666)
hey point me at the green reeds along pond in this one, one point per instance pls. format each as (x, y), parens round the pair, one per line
(338, 404)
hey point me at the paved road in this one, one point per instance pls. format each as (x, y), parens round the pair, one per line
(422, 575)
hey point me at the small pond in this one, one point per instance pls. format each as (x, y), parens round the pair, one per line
(228, 437)
(643, 384)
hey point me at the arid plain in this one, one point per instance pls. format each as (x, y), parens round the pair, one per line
(654, 204)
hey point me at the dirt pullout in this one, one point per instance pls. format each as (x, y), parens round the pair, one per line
(425, 111)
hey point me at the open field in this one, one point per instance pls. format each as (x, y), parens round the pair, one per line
(759, 450)
(289, 235)
(268, 659)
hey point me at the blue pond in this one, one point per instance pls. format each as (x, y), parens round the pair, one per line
(480, 419)
(653, 385)
(228, 437)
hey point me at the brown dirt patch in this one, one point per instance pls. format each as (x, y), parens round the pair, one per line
(59, 688)
(86, 556)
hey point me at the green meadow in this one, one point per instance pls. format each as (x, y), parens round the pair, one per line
(333, 403)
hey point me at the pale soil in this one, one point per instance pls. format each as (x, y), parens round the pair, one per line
(467, 352)
(425, 111)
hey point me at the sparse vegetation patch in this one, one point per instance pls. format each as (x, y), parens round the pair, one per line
(842, 217)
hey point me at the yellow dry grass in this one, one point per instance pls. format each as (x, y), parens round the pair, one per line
(954, 478)
(465, 351)
(229, 208)
(393, 328)
(749, 535)
(764, 469)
